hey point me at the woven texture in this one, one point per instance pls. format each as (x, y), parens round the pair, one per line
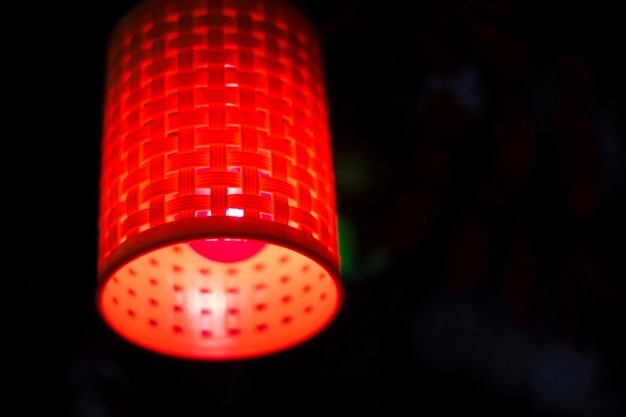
(215, 108)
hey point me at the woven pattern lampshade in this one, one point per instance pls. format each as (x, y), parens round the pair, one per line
(217, 210)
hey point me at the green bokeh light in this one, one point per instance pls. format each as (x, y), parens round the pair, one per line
(348, 245)
(356, 263)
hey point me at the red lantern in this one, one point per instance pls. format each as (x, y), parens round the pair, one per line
(217, 210)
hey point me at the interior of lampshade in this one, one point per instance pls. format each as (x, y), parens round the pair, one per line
(219, 299)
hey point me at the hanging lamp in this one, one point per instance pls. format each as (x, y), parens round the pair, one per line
(217, 206)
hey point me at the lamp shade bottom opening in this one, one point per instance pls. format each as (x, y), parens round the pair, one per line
(219, 299)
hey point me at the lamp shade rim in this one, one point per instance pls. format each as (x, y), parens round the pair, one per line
(216, 227)
(185, 230)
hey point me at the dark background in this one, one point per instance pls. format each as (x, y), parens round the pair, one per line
(480, 160)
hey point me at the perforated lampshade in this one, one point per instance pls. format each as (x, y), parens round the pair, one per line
(217, 210)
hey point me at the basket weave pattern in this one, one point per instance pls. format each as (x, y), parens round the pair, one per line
(213, 106)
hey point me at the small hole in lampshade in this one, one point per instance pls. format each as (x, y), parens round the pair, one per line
(154, 282)
(286, 320)
(261, 307)
(131, 313)
(284, 279)
(153, 322)
(178, 309)
(205, 333)
(153, 302)
(286, 299)
(306, 288)
(178, 329)
(261, 327)
(234, 332)
(205, 311)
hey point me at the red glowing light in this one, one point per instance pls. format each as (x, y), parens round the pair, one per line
(217, 195)
(226, 250)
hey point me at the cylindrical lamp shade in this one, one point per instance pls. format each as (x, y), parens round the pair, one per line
(217, 211)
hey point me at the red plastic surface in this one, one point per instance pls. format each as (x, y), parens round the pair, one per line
(217, 211)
